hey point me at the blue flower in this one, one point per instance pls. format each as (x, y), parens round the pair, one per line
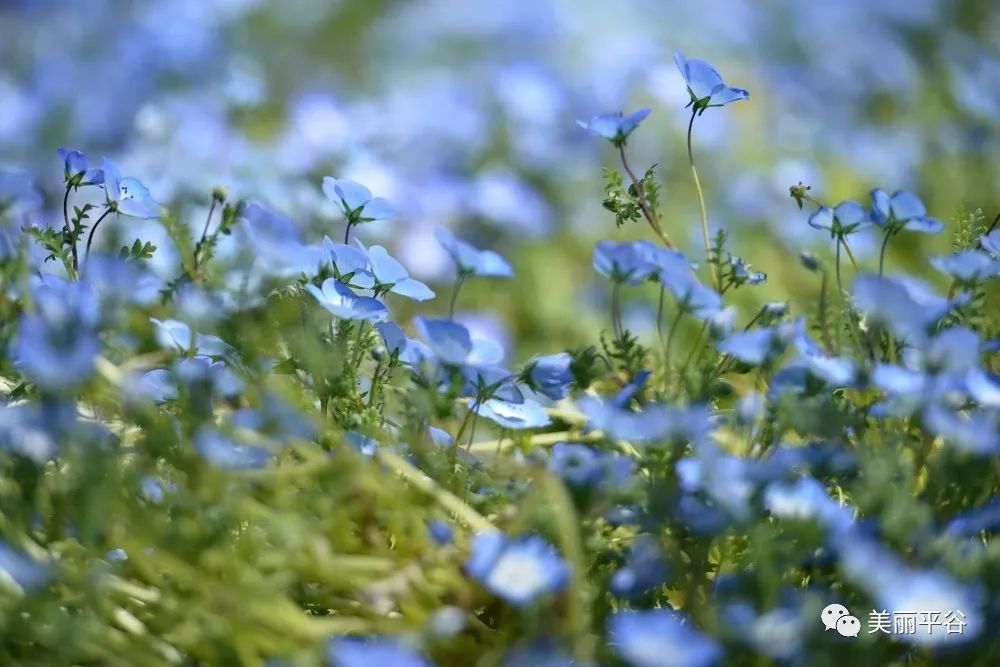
(441, 531)
(57, 345)
(660, 638)
(806, 499)
(338, 298)
(517, 416)
(614, 127)
(991, 242)
(968, 266)
(276, 244)
(225, 453)
(393, 338)
(970, 523)
(905, 306)
(550, 375)
(447, 339)
(742, 274)
(356, 201)
(692, 297)
(76, 171)
(903, 210)
(17, 192)
(371, 652)
(644, 569)
(846, 218)
(705, 84)
(391, 276)
(755, 347)
(627, 262)
(26, 572)
(518, 570)
(471, 261)
(127, 196)
(349, 263)
(655, 423)
(172, 334)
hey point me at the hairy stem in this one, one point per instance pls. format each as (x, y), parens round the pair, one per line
(644, 206)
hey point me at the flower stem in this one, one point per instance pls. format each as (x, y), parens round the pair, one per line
(647, 210)
(90, 237)
(69, 230)
(881, 254)
(850, 255)
(454, 297)
(204, 234)
(840, 285)
(347, 232)
(701, 202)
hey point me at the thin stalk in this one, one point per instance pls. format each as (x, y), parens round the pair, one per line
(881, 254)
(204, 234)
(701, 202)
(824, 326)
(347, 232)
(647, 210)
(850, 255)
(69, 230)
(669, 346)
(454, 297)
(446, 499)
(616, 325)
(659, 316)
(90, 237)
(840, 285)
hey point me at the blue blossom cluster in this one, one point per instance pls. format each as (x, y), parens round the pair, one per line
(263, 440)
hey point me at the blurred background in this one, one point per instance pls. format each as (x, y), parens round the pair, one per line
(463, 115)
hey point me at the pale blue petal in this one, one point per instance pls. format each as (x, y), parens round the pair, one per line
(386, 268)
(413, 289)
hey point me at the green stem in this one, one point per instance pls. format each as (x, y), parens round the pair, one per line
(446, 499)
(647, 210)
(850, 255)
(701, 202)
(204, 234)
(669, 346)
(90, 237)
(69, 231)
(881, 254)
(454, 296)
(840, 285)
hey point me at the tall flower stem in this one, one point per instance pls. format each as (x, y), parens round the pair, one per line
(454, 296)
(840, 285)
(701, 202)
(90, 237)
(204, 235)
(881, 254)
(347, 232)
(69, 230)
(850, 255)
(647, 210)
